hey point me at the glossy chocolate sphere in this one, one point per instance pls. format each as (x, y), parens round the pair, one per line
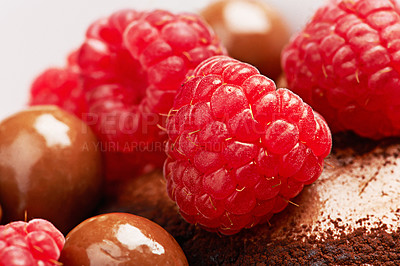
(120, 239)
(252, 32)
(49, 167)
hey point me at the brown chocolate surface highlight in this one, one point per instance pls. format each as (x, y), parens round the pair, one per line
(350, 215)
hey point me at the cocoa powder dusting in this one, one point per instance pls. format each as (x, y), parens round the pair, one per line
(362, 246)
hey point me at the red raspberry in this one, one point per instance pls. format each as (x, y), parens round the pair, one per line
(35, 243)
(346, 62)
(239, 149)
(132, 63)
(61, 87)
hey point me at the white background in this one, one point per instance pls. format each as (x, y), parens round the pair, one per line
(36, 34)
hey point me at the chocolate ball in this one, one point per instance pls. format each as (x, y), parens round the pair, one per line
(49, 167)
(251, 31)
(281, 82)
(120, 239)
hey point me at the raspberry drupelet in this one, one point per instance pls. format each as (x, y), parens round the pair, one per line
(238, 149)
(345, 63)
(37, 242)
(130, 66)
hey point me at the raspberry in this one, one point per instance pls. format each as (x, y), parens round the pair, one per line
(239, 149)
(61, 87)
(345, 63)
(35, 243)
(131, 65)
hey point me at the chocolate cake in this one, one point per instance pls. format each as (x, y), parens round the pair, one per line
(350, 215)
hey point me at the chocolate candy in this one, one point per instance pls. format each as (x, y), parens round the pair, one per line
(49, 167)
(251, 31)
(120, 239)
